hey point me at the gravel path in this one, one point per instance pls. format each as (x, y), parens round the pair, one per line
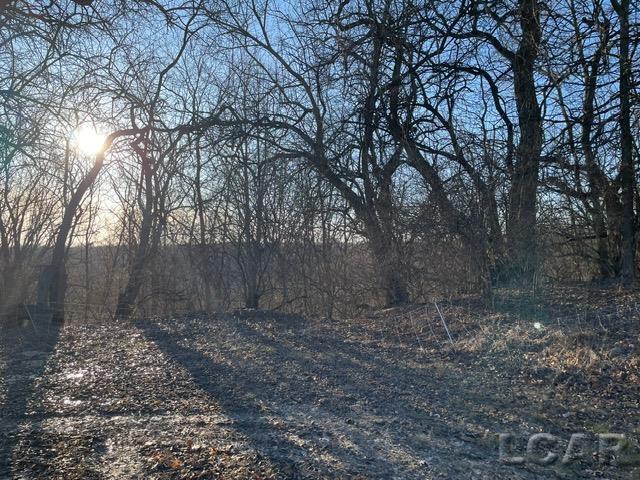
(265, 396)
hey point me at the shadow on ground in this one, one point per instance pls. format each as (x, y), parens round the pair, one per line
(318, 405)
(23, 358)
(270, 424)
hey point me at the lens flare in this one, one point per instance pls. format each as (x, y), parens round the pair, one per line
(88, 140)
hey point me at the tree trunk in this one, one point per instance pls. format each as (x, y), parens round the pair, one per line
(127, 298)
(391, 275)
(52, 284)
(251, 274)
(252, 299)
(146, 244)
(597, 179)
(628, 264)
(521, 226)
(613, 209)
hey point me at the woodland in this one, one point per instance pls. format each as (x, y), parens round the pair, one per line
(256, 239)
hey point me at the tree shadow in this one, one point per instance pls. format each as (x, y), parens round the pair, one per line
(247, 392)
(363, 398)
(355, 369)
(25, 355)
(464, 407)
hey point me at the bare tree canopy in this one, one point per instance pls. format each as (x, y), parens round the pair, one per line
(258, 144)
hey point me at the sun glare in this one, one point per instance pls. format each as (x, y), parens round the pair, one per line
(88, 140)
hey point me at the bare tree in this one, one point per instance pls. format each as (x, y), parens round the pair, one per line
(627, 172)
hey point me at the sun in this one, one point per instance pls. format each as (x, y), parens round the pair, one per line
(88, 140)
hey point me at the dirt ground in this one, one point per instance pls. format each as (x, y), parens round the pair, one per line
(255, 395)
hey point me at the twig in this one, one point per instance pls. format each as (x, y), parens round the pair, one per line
(443, 322)
(33, 324)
